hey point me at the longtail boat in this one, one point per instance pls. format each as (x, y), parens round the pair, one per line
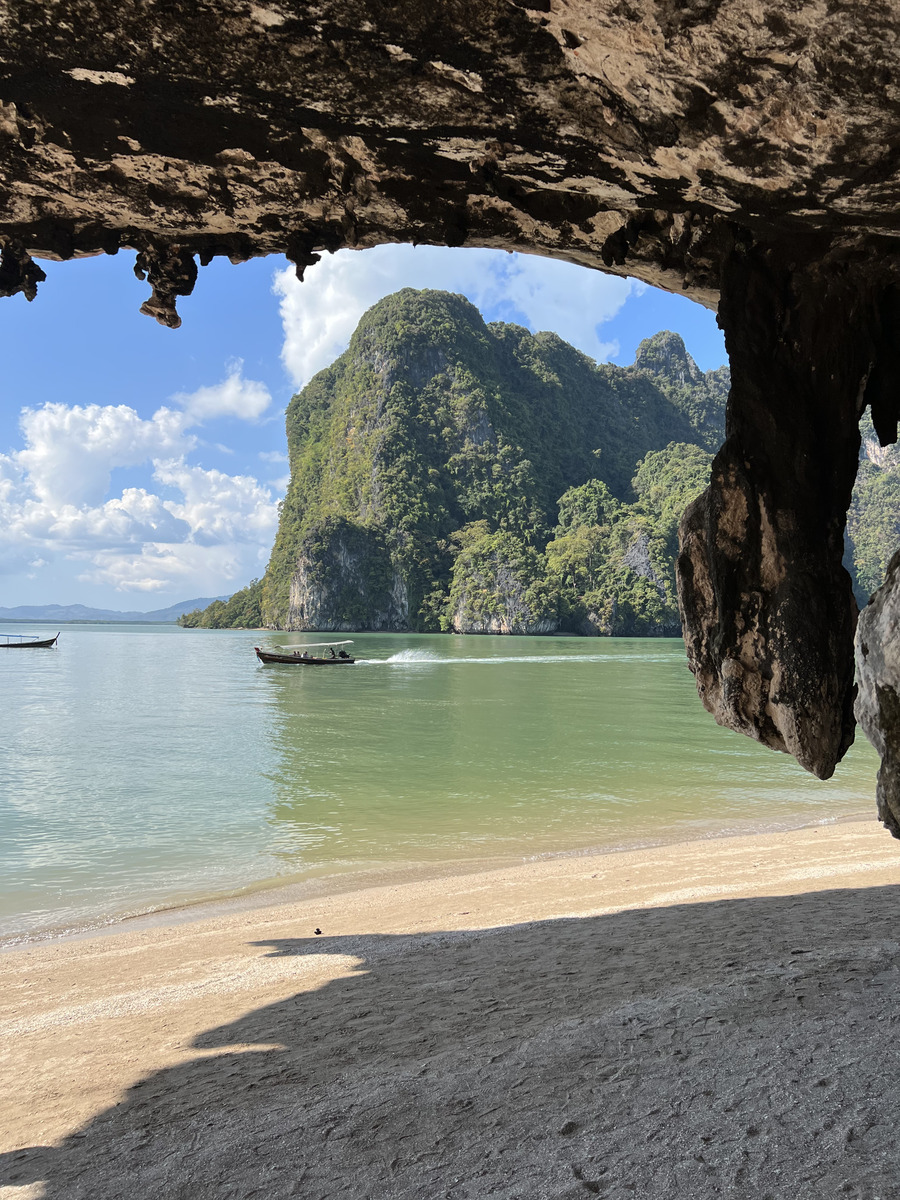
(300, 656)
(21, 644)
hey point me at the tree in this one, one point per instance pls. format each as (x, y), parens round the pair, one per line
(240, 611)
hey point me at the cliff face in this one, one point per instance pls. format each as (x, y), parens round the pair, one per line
(878, 698)
(344, 580)
(433, 454)
(637, 558)
(496, 587)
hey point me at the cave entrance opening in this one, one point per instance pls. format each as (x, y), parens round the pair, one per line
(770, 616)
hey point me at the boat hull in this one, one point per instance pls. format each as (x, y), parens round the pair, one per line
(42, 645)
(294, 660)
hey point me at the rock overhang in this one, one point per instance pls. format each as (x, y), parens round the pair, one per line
(628, 136)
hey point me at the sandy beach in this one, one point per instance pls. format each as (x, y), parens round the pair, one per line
(703, 1019)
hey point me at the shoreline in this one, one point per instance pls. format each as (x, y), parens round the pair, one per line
(273, 891)
(512, 988)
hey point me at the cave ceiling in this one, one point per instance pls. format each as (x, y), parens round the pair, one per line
(633, 136)
(741, 152)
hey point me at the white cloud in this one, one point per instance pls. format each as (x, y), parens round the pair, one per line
(320, 314)
(217, 507)
(134, 517)
(204, 527)
(234, 396)
(70, 452)
(188, 568)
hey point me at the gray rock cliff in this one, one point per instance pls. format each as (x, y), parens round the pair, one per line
(878, 696)
(344, 579)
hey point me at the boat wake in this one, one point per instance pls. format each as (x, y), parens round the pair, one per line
(412, 658)
(428, 658)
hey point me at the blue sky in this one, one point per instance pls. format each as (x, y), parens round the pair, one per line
(141, 466)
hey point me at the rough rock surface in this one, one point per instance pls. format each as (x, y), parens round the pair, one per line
(768, 606)
(347, 584)
(731, 146)
(878, 699)
(497, 605)
(627, 135)
(637, 557)
(598, 624)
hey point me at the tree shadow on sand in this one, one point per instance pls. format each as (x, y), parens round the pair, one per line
(740, 1048)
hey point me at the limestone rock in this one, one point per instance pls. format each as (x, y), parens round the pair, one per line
(599, 624)
(637, 557)
(665, 354)
(767, 606)
(630, 136)
(493, 597)
(345, 580)
(878, 680)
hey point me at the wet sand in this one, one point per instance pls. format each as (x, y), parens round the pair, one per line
(703, 1019)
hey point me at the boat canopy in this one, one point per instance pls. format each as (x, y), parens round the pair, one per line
(313, 645)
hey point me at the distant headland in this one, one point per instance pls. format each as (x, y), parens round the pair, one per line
(81, 612)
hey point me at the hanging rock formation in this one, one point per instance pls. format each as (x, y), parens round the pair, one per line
(712, 146)
(768, 607)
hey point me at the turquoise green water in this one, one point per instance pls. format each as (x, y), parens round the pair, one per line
(148, 766)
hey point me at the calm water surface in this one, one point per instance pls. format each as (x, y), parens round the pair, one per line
(147, 766)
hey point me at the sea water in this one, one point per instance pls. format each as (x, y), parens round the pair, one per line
(150, 766)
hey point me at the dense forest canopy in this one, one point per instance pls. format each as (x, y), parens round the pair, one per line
(448, 474)
(241, 611)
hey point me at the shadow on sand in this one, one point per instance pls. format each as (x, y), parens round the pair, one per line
(739, 1048)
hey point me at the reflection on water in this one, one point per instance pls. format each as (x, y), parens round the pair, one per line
(145, 766)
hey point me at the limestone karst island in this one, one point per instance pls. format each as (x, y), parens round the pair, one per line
(578, 877)
(452, 475)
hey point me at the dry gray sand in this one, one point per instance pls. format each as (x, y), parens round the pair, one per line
(711, 1019)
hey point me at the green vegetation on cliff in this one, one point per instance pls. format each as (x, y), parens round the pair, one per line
(498, 584)
(240, 611)
(448, 474)
(614, 564)
(873, 523)
(457, 446)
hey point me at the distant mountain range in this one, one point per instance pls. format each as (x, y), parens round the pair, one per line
(80, 612)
